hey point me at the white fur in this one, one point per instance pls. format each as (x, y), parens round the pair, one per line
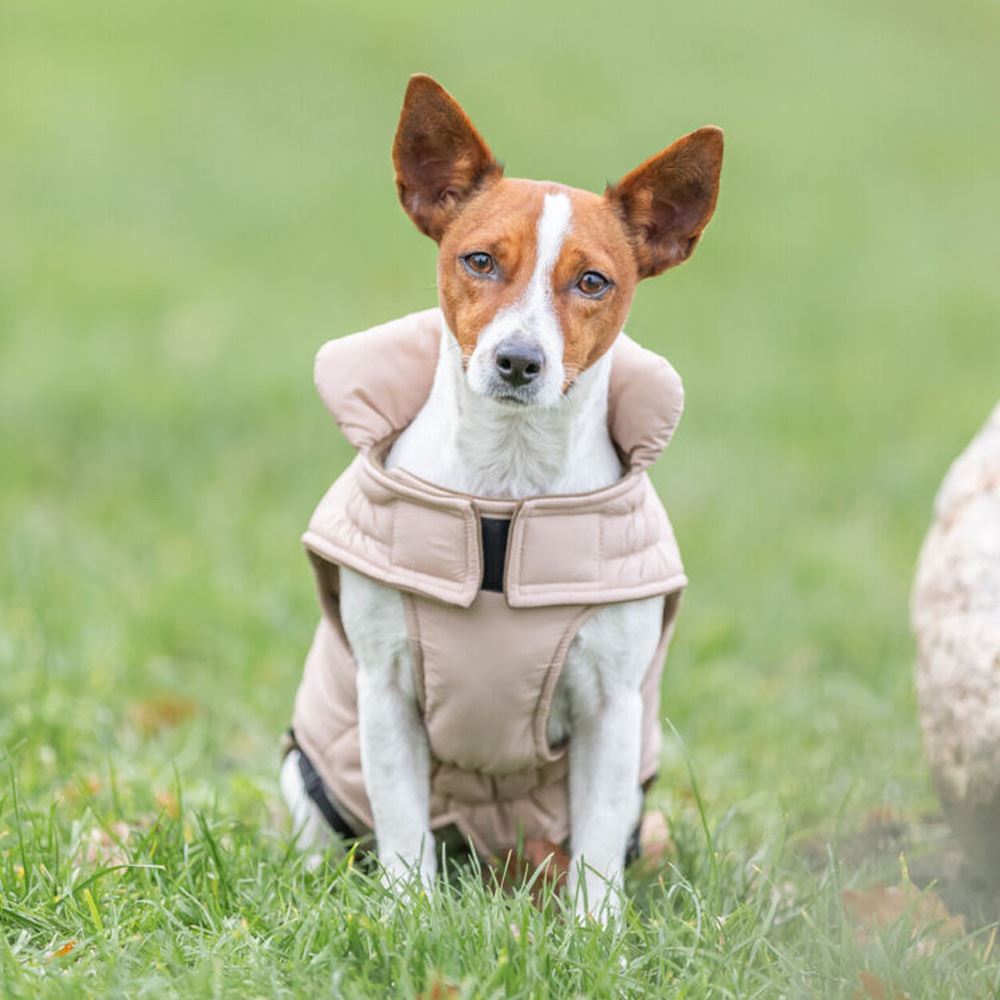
(465, 441)
(395, 758)
(532, 318)
(470, 443)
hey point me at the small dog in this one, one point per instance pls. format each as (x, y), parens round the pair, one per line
(531, 695)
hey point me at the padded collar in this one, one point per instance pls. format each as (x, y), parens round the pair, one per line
(375, 382)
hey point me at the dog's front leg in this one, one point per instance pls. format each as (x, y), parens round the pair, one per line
(604, 799)
(395, 758)
(396, 764)
(603, 678)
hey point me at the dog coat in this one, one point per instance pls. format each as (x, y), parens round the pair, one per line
(494, 590)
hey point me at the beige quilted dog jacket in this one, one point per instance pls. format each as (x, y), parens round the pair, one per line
(488, 642)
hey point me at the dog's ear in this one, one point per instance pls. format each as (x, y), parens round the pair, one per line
(667, 201)
(440, 158)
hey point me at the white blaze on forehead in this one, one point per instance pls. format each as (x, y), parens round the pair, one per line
(553, 225)
(532, 318)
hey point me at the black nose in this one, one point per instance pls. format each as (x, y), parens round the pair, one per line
(519, 364)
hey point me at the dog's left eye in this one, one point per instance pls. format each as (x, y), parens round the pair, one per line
(479, 263)
(593, 284)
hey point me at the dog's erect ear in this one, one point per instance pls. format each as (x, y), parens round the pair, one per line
(440, 158)
(667, 201)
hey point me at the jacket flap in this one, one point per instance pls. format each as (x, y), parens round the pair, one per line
(410, 539)
(614, 545)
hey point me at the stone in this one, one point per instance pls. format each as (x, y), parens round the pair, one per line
(956, 620)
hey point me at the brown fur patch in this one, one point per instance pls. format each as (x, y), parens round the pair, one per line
(595, 242)
(503, 222)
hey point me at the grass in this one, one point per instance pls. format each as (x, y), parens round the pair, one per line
(194, 197)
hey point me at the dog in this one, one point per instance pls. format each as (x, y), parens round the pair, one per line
(510, 454)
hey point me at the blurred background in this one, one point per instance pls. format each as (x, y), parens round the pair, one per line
(195, 196)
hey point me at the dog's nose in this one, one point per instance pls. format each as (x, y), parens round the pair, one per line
(519, 363)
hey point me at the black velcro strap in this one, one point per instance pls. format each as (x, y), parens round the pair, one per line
(316, 790)
(495, 531)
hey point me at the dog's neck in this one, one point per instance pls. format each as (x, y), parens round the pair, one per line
(469, 443)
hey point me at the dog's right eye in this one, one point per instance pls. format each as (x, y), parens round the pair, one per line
(479, 263)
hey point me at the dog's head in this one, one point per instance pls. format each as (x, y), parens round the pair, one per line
(536, 278)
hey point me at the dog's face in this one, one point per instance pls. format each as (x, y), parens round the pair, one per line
(536, 278)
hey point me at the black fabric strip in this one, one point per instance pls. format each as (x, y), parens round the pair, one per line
(317, 792)
(494, 531)
(633, 849)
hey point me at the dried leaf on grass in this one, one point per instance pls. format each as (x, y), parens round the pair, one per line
(873, 988)
(883, 905)
(80, 788)
(167, 802)
(63, 950)
(439, 989)
(150, 715)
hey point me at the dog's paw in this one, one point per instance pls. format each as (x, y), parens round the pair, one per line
(406, 875)
(595, 897)
(402, 879)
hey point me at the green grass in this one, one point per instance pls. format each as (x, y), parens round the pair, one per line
(194, 196)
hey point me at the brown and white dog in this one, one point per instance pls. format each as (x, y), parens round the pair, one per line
(535, 280)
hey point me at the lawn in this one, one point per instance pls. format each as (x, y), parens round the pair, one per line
(195, 196)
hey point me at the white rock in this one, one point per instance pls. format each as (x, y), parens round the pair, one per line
(956, 620)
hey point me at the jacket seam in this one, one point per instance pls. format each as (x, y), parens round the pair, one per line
(553, 672)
